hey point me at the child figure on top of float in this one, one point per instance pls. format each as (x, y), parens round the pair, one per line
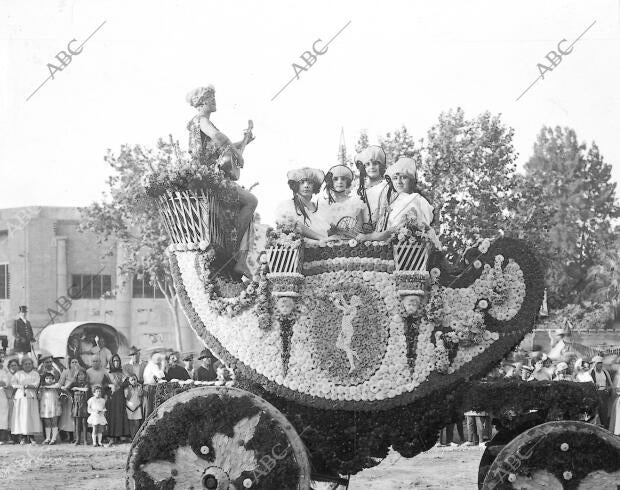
(373, 160)
(301, 209)
(405, 206)
(339, 204)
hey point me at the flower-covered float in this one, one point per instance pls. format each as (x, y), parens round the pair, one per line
(341, 350)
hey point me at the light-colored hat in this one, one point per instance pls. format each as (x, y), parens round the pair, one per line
(561, 366)
(199, 96)
(341, 171)
(403, 166)
(597, 359)
(314, 175)
(371, 154)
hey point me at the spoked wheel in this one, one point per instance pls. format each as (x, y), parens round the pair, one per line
(558, 456)
(217, 438)
(499, 441)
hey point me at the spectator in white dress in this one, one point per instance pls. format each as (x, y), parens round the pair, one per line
(25, 418)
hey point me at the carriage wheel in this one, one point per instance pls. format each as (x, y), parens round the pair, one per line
(503, 437)
(218, 438)
(558, 456)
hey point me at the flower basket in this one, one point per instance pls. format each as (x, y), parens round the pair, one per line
(195, 217)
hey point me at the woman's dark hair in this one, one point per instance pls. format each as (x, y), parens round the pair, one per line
(300, 209)
(114, 369)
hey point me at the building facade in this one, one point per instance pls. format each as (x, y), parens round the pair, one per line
(63, 275)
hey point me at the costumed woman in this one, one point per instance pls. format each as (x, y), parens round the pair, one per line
(301, 209)
(342, 212)
(372, 163)
(403, 204)
(214, 149)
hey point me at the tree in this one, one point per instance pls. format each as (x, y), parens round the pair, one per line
(395, 144)
(469, 171)
(571, 199)
(130, 218)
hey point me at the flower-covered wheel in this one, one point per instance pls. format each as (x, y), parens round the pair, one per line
(218, 438)
(560, 456)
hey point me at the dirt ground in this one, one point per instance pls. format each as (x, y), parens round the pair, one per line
(69, 467)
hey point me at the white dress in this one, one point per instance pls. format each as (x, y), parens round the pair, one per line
(408, 207)
(334, 212)
(287, 214)
(4, 401)
(25, 417)
(151, 372)
(96, 409)
(377, 200)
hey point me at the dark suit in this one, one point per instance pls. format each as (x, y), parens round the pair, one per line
(22, 331)
(177, 372)
(203, 374)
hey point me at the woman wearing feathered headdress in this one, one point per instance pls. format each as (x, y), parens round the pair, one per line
(301, 210)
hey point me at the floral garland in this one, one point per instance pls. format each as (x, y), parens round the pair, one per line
(229, 307)
(318, 251)
(286, 235)
(349, 264)
(188, 174)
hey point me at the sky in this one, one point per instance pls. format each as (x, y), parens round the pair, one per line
(394, 63)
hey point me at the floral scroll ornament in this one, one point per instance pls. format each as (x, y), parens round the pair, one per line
(231, 460)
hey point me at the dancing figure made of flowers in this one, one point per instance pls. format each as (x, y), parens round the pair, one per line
(214, 149)
(301, 211)
(342, 211)
(345, 337)
(372, 164)
(402, 204)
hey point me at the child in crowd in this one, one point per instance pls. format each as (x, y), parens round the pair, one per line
(79, 409)
(133, 397)
(49, 406)
(96, 409)
(5, 383)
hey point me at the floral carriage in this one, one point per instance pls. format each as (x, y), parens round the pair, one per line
(344, 349)
(332, 336)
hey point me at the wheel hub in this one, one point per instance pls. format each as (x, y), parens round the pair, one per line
(215, 478)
